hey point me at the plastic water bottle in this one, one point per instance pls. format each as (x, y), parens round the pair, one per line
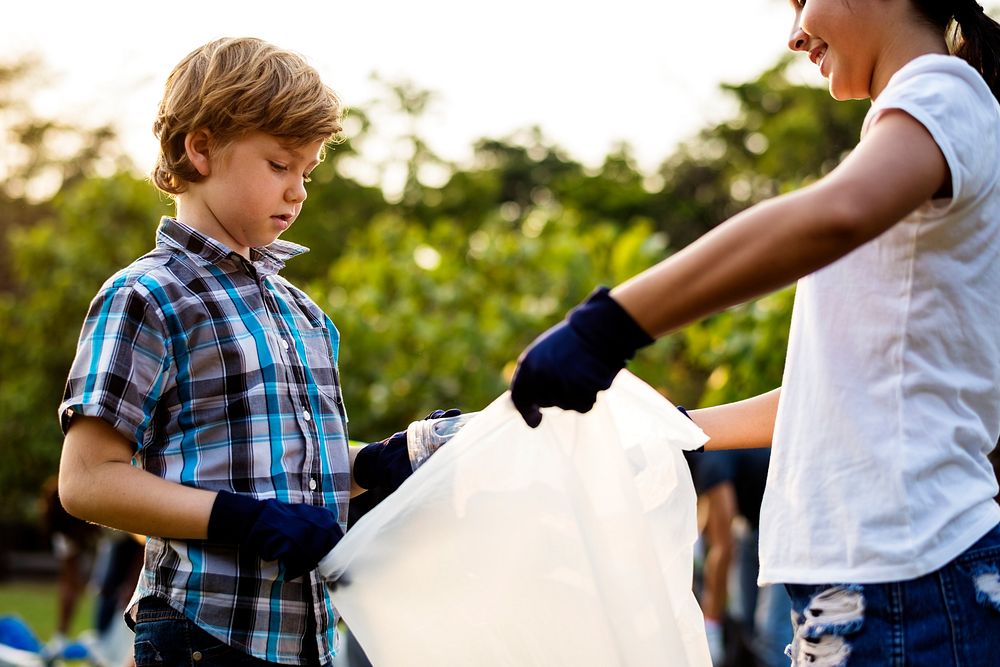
(426, 436)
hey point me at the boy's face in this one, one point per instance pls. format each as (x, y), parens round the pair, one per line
(253, 191)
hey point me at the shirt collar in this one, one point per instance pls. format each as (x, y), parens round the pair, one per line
(267, 259)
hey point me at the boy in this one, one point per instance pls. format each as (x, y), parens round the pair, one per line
(219, 380)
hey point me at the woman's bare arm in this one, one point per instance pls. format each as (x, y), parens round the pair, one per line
(894, 170)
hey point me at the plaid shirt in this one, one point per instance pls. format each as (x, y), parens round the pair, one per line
(225, 376)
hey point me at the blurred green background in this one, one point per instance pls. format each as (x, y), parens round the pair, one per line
(435, 289)
(36, 603)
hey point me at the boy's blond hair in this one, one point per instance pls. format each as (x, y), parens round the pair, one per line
(234, 86)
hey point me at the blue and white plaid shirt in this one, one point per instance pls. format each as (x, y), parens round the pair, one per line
(225, 375)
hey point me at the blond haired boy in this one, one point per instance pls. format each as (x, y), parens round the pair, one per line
(204, 405)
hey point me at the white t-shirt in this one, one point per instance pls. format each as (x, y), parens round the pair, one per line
(890, 401)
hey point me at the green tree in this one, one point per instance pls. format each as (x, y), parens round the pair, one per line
(782, 136)
(437, 289)
(432, 318)
(58, 262)
(60, 232)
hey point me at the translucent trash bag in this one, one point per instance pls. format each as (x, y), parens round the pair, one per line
(569, 544)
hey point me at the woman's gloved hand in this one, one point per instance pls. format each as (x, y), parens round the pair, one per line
(568, 364)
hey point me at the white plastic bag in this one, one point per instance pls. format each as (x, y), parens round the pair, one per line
(569, 544)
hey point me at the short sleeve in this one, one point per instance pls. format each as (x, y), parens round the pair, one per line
(121, 360)
(954, 104)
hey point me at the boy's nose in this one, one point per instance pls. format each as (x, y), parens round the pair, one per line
(296, 193)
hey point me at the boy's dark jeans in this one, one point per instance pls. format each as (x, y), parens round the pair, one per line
(166, 638)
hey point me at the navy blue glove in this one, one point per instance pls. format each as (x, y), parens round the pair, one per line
(295, 534)
(386, 464)
(568, 364)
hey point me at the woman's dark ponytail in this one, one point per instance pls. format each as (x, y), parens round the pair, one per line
(976, 39)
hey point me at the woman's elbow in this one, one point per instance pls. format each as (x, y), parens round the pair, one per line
(848, 218)
(843, 225)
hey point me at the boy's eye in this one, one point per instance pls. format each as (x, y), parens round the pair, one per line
(277, 166)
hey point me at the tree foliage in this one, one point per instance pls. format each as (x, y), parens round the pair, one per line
(435, 289)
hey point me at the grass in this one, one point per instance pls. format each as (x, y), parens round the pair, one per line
(37, 603)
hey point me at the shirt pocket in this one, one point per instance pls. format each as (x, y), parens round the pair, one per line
(320, 367)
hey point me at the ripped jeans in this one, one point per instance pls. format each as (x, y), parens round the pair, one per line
(948, 618)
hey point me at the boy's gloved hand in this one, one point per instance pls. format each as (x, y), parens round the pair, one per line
(386, 464)
(568, 364)
(295, 534)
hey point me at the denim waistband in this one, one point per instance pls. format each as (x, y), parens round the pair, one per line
(152, 609)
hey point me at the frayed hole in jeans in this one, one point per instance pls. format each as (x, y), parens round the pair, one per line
(820, 629)
(987, 582)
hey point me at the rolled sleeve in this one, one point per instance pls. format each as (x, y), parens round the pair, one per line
(120, 362)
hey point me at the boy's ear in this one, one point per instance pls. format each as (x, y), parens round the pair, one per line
(197, 144)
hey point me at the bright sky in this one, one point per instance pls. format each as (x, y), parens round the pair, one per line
(589, 74)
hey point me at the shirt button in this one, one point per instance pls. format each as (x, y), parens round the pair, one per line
(196, 656)
(306, 415)
(284, 344)
(312, 484)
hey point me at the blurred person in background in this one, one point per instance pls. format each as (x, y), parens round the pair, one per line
(73, 542)
(745, 624)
